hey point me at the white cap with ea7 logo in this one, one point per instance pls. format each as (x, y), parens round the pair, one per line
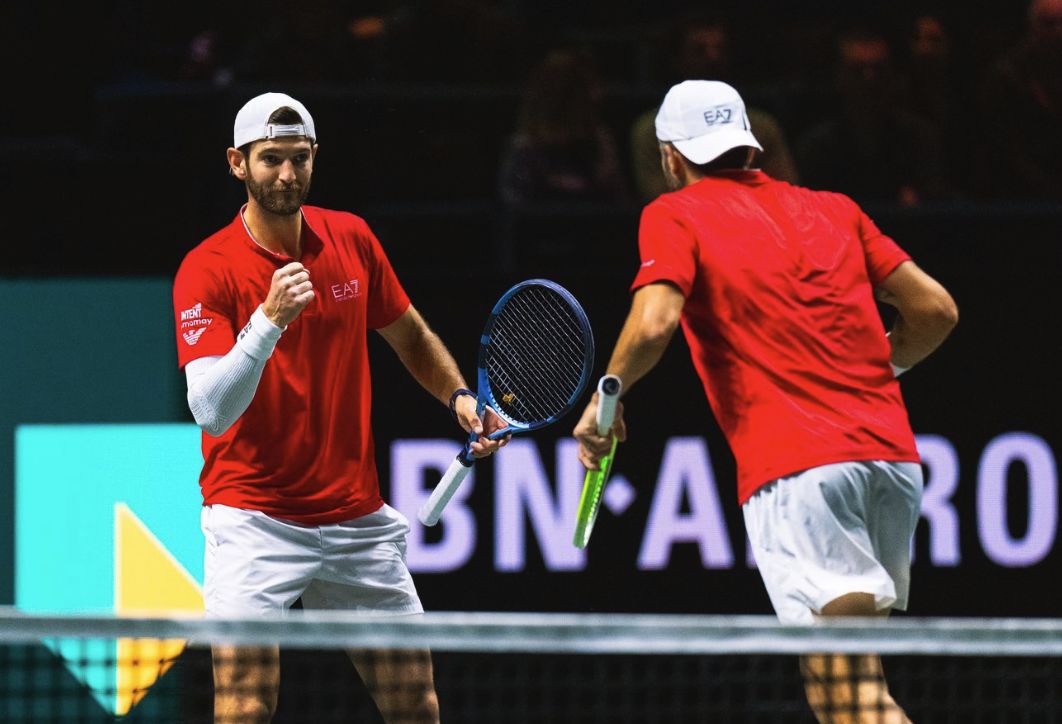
(252, 122)
(704, 119)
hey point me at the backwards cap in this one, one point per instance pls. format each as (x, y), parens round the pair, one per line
(252, 122)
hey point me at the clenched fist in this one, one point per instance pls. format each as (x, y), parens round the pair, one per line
(289, 294)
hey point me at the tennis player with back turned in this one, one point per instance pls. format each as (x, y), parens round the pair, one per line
(774, 286)
(272, 314)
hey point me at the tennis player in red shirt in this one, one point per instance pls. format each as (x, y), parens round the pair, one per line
(774, 287)
(272, 314)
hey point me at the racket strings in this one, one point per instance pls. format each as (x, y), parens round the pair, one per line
(536, 355)
(570, 352)
(569, 334)
(525, 394)
(553, 320)
(519, 401)
(538, 376)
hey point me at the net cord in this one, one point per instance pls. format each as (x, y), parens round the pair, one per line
(564, 633)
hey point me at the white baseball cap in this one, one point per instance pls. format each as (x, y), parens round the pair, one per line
(252, 122)
(704, 119)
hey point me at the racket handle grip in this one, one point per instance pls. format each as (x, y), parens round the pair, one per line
(431, 510)
(608, 392)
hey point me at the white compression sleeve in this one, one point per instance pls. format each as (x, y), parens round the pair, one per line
(221, 388)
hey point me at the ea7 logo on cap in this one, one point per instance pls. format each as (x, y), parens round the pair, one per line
(720, 115)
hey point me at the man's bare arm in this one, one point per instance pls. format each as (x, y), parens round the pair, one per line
(927, 313)
(424, 355)
(655, 313)
(433, 367)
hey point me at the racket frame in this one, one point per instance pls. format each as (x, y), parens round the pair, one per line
(444, 490)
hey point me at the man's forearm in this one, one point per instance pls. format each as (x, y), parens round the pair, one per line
(927, 313)
(654, 316)
(431, 364)
(912, 342)
(637, 351)
(220, 389)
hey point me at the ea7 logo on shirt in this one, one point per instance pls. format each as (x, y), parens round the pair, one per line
(192, 336)
(346, 290)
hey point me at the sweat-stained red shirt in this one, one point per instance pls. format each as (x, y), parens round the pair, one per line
(781, 320)
(303, 450)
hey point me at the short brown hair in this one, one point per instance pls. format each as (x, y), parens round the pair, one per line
(281, 116)
(734, 159)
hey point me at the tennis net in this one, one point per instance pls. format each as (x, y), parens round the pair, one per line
(524, 668)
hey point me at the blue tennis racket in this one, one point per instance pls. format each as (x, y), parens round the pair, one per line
(535, 358)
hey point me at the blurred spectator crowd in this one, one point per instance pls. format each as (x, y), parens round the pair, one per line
(548, 102)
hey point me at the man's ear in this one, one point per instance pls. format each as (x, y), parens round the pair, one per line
(237, 163)
(671, 158)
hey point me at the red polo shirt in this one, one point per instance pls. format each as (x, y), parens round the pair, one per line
(781, 320)
(303, 450)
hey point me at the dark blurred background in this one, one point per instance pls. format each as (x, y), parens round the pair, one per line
(449, 124)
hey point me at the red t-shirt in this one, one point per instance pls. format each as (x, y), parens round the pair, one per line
(303, 450)
(781, 320)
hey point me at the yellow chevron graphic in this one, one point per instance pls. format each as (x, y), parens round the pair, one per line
(148, 580)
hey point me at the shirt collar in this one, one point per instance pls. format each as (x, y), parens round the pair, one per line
(312, 242)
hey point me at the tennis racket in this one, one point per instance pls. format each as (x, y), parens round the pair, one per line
(535, 358)
(608, 388)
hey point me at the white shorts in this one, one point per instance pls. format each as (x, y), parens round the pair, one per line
(833, 530)
(257, 565)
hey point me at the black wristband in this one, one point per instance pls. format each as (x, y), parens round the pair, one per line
(453, 398)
